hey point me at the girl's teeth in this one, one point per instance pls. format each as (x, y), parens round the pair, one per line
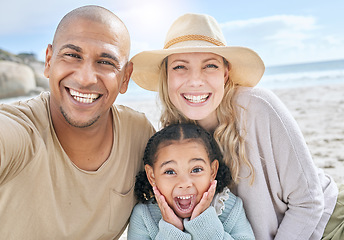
(82, 97)
(185, 197)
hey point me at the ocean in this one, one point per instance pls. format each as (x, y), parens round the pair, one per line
(275, 77)
(303, 75)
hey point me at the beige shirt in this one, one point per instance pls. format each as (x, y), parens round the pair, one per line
(43, 195)
(290, 198)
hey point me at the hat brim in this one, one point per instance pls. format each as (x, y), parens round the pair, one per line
(247, 67)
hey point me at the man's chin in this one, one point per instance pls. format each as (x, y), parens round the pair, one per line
(78, 124)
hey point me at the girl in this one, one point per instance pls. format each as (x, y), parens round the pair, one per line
(202, 80)
(184, 169)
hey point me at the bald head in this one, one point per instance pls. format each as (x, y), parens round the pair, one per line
(96, 14)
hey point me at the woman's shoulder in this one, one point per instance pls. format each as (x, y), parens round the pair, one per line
(258, 100)
(256, 94)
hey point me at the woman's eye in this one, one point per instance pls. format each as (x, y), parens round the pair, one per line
(178, 67)
(197, 170)
(211, 66)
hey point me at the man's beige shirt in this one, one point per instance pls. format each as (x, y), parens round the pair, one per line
(43, 195)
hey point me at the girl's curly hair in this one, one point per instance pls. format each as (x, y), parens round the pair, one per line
(176, 133)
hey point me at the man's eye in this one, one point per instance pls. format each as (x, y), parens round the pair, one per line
(106, 63)
(73, 55)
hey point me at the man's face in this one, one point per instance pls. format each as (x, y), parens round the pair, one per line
(87, 69)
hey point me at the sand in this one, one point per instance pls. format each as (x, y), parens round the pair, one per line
(319, 111)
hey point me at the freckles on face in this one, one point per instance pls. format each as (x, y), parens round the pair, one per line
(196, 83)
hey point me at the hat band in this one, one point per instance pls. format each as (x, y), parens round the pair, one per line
(193, 37)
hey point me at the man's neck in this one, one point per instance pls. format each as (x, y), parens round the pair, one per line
(88, 148)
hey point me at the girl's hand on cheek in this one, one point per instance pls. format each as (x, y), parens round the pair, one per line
(166, 211)
(205, 200)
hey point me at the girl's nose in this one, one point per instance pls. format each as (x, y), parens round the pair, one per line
(185, 182)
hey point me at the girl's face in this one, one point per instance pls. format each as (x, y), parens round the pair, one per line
(182, 173)
(196, 85)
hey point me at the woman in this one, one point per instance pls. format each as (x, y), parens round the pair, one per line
(201, 79)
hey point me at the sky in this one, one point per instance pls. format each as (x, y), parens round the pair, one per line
(281, 32)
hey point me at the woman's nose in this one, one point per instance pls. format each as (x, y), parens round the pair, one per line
(195, 78)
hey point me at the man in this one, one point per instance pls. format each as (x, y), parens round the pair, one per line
(68, 158)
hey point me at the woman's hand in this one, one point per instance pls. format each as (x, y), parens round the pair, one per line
(205, 201)
(167, 213)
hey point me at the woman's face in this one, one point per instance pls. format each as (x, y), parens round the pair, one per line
(196, 85)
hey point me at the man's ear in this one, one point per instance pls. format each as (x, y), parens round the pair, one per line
(214, 167)
(150, 174)
(126, 78)
(48, 55)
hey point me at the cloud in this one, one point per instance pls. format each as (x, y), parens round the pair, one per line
(283, 38)
(279, 30)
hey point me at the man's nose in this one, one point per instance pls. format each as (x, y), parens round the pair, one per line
(86, 73)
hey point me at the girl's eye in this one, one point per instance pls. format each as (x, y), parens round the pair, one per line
(169, 172)
(178, 67)
(197, 170)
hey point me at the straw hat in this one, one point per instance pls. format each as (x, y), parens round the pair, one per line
(197, 33)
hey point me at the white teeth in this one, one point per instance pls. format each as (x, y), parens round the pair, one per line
(184, 197)
(82, 97)
(196, 99)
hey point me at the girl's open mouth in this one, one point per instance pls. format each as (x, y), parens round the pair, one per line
(185, 205)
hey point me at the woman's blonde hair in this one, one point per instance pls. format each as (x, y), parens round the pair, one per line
(226, 134)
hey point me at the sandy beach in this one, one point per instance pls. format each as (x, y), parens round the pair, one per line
(318, 110)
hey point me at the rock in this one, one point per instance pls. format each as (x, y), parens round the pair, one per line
(16, 79)
(38, 69)
(13, 88)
